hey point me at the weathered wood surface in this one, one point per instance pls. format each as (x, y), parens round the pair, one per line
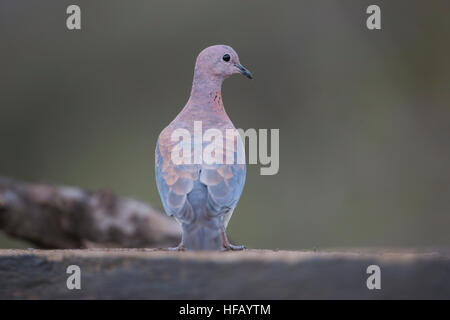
(61, 217)
(251, 274)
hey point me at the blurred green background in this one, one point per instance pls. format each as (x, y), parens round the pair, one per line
(364, 116)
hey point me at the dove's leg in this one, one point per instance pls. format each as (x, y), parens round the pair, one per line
(226, 244)
(180, 247)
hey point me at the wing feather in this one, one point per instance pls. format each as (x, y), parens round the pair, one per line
(224, 182)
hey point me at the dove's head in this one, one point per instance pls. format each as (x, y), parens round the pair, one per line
(219, 62)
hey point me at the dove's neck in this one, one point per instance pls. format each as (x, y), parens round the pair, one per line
(206, 91)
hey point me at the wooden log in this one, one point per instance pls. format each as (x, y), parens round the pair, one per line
(250, 274)
(66, 217)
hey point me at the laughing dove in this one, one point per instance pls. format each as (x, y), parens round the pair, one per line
(198, 192)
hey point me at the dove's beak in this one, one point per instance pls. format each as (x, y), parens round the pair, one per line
(244, 71)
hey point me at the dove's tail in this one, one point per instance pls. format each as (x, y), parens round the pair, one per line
(202, 238)
(204, 231)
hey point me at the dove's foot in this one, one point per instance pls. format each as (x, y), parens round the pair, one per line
(180, 247)
(232, 247)
(227, 246)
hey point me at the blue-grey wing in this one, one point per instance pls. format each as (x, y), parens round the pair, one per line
(225, 185)
(174, 182)
(225, 182)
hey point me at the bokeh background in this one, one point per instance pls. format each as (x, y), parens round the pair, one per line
(364, 116)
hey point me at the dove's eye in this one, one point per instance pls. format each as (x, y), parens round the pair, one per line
(226, 57)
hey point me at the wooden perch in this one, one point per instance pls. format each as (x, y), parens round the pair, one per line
(249, 274)
(66, 217)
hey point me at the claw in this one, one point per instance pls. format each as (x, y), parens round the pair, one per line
(227, 245)
(180, 247)
(232, 247)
